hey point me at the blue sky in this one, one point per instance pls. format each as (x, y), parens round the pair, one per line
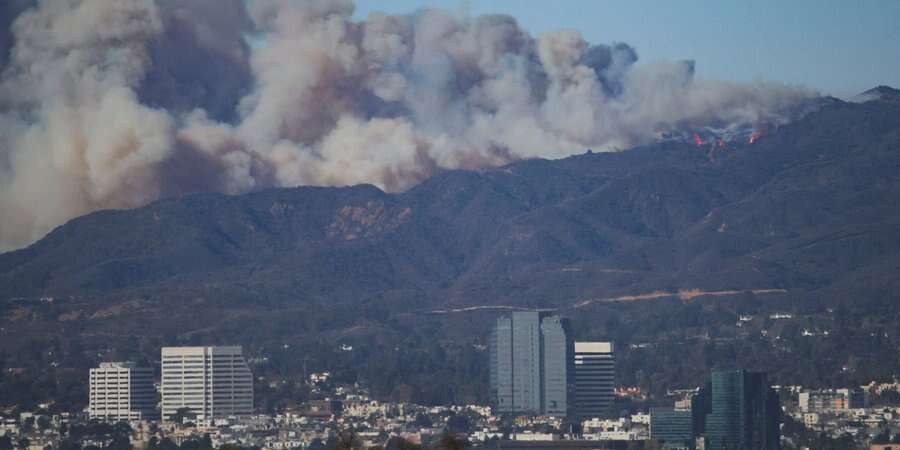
(839, 47)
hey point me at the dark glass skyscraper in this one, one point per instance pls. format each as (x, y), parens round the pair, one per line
(735, 410)
(531, 360)
(675, 429)
(740, 411)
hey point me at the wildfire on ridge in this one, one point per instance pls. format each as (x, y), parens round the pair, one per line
(697, 139)
(755, 136)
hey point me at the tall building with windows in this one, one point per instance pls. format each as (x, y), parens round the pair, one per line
(209, 381)
(121, 391)
(526, 362)
(557, 387)
(740, 411)
(735, 410)
(530, 358)
(501, 365)
(595, 375)
(673, 428)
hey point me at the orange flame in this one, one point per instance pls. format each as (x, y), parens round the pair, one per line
(697, 139)
(755, 136)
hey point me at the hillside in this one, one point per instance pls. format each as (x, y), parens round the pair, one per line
(804, 219)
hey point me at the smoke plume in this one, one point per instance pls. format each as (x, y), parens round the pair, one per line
(115, 103)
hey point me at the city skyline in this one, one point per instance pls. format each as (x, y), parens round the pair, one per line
(449, 224)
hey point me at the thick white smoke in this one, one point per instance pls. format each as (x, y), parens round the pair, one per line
(114, 103)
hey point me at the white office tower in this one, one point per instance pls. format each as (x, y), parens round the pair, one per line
(595, 375)
(210, 381)
(121, 391)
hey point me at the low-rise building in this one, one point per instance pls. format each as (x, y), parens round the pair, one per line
(832, 400)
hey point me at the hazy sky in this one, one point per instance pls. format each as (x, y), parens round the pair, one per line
(840, 47)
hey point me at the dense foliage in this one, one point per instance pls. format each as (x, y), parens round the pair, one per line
(346, 279)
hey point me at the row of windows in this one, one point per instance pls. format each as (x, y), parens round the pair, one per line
(177, 395)
(209, 380)
(203, 361)
(194, 385)
(103, 376)
(200, 373)
(122, 395)
(196, 393)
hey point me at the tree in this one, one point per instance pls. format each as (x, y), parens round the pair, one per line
(166, 444)
(398, 443)
(206, 442)
(347, 440)
(452, 441)
(883, 437)
(6, 442)
(122, 428)
(458, 423)
(316, 444)
(119, 442)
(43, 422)
(422, 421)
(183, 413)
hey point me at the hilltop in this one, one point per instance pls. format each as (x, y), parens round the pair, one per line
(803, 219)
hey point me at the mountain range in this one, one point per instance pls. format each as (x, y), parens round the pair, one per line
(808, 214)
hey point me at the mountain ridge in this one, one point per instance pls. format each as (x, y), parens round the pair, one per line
(672, 240)
(565, 193)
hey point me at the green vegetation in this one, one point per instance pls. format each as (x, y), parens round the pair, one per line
(342, 279)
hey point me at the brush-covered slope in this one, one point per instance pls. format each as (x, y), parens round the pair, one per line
(808, 213)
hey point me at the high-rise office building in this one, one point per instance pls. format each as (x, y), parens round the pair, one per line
(740, 411)
(501, 365)
(209, 381)
(556, 354)
(530, 358)
(735, 410)
(673, 428)
(121, 391)
(526, 361)
(594, 378)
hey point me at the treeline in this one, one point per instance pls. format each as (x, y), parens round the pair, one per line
(660, 345)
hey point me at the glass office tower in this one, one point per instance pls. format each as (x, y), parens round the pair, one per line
(742, 412)
(556, 349)
(526, 358)
(674, 429)
(531, 357)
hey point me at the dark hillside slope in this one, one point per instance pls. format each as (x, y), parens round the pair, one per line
(807, 217)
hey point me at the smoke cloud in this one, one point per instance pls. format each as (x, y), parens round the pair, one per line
(115, 103)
